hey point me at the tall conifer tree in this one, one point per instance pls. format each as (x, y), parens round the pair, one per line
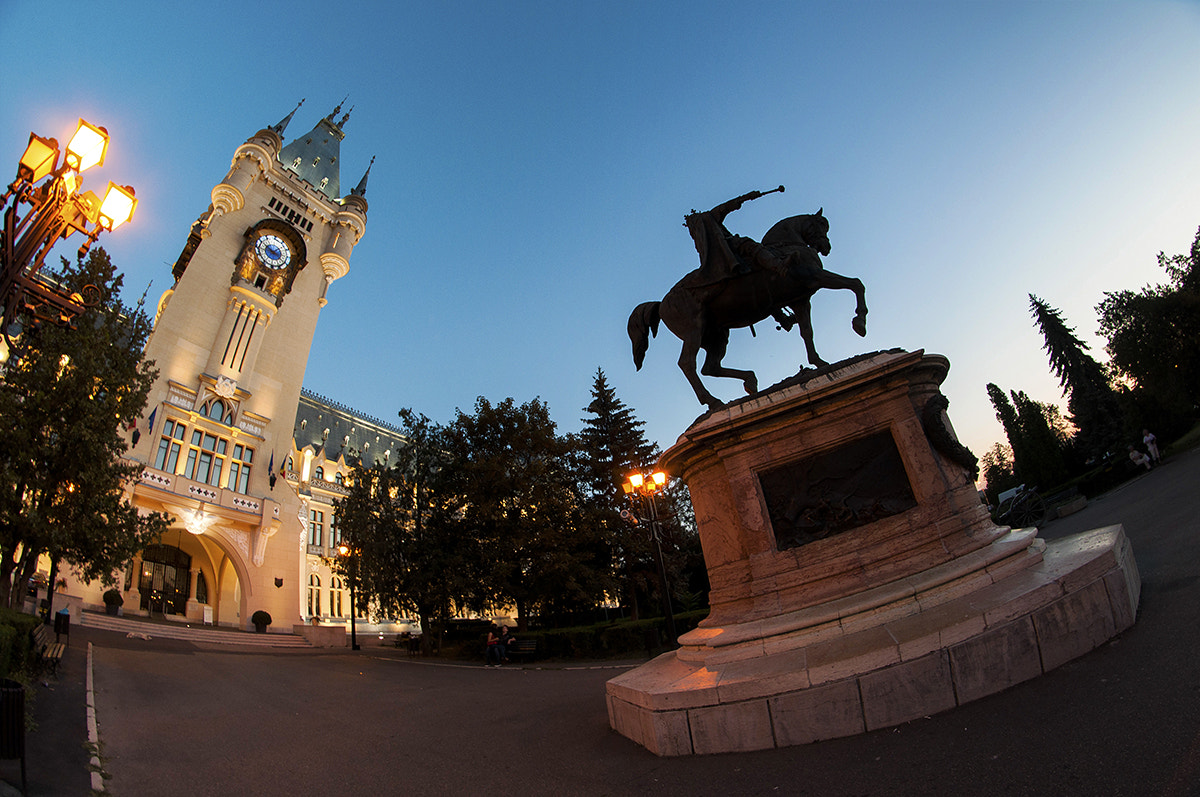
(612, 445)
(1094, 407)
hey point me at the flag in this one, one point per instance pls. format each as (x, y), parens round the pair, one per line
(150, 422)
(271, 471)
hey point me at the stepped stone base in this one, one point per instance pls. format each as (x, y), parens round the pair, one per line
(857, 581)
(887, 664)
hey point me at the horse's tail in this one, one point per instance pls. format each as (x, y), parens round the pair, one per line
(643, 322)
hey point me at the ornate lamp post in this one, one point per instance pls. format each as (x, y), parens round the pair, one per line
(56, 210)
(646, 488)
(344, 550)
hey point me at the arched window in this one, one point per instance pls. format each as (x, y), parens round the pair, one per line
(314, 595)
(319, 474)
(335, 597)
(338, 478)
(219, 411)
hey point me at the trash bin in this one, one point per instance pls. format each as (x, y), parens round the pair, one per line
(12, 723)
(62, 625)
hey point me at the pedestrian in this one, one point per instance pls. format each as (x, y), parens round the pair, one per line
(1140, 459)
(1151, 443)
(503, 642)
(493, 647)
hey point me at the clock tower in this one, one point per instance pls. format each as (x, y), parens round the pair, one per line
(231, 342)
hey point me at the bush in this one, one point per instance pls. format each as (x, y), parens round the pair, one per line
(113, 598)
(8, 639)
(260, 618)
(20, 646)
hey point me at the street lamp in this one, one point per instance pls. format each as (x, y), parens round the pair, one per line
(646, 488)
(344, 550)
(56, 210)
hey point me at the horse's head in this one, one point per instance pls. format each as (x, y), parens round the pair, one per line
(809, 230)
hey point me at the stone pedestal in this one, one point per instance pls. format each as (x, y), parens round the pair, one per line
(857, 581)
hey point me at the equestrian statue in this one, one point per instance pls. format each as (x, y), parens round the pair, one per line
(741, 282)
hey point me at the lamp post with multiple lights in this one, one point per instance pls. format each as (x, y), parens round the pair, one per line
(646, 488)
(56, 209)
(345, 550)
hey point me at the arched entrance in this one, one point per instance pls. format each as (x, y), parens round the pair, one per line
(166, 579)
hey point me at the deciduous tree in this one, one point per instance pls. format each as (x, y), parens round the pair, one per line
(67, 397)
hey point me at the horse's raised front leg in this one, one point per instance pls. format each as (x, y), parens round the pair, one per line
(715, 352)
(829, 279)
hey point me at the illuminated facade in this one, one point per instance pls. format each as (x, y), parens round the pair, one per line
(227, 453)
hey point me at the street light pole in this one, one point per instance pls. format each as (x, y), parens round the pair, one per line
(646, 488)
(344, 550)
(56, 210)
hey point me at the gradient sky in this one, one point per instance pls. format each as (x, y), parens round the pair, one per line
(535, 161)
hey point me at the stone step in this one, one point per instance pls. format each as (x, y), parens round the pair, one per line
(191, 633)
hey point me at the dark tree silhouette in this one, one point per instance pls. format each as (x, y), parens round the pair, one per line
(1091, 401)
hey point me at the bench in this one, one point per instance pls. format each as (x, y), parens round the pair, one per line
(411, 643)
(46, 649)
(523, 647)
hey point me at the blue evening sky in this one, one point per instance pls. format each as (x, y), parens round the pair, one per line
(535, 161)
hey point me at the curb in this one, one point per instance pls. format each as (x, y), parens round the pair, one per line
(92, 730)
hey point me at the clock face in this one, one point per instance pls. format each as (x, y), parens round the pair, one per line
(272, 251)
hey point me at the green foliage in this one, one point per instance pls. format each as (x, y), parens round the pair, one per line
(260, 618)
(522, 502)
(8, 639)
(1093, 404)
(112, 597)
(20, 654)
(412, 554)
(62, 478)
(996, 466)
(612, 445)
(1154, 340)
(1037, 436)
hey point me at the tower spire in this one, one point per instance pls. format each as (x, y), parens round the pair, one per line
(279, 128)
(361, 188)
(338, 109)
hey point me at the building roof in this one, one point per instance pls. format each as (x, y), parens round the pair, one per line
(314, 157)
(342, 431)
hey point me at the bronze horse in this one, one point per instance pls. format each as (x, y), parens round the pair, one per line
(701, 315)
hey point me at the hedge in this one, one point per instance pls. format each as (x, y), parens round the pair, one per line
(16, 640)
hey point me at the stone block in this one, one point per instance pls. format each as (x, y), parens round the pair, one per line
(764, 676)
(1074, 624)
(625, 718)
(995, 660)
(731, 728)
(1118, 597)
(845, 657)
(666, 733)
(823, 712)
(936, 628)
(907, 691)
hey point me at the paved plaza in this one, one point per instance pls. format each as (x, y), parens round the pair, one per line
(181, 718)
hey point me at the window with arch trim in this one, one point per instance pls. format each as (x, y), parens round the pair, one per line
(319, 473)
(335, 597)
(314, 595)
(219, 411)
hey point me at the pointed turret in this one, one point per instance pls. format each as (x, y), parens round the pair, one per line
(361, 189)
(279, 128)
